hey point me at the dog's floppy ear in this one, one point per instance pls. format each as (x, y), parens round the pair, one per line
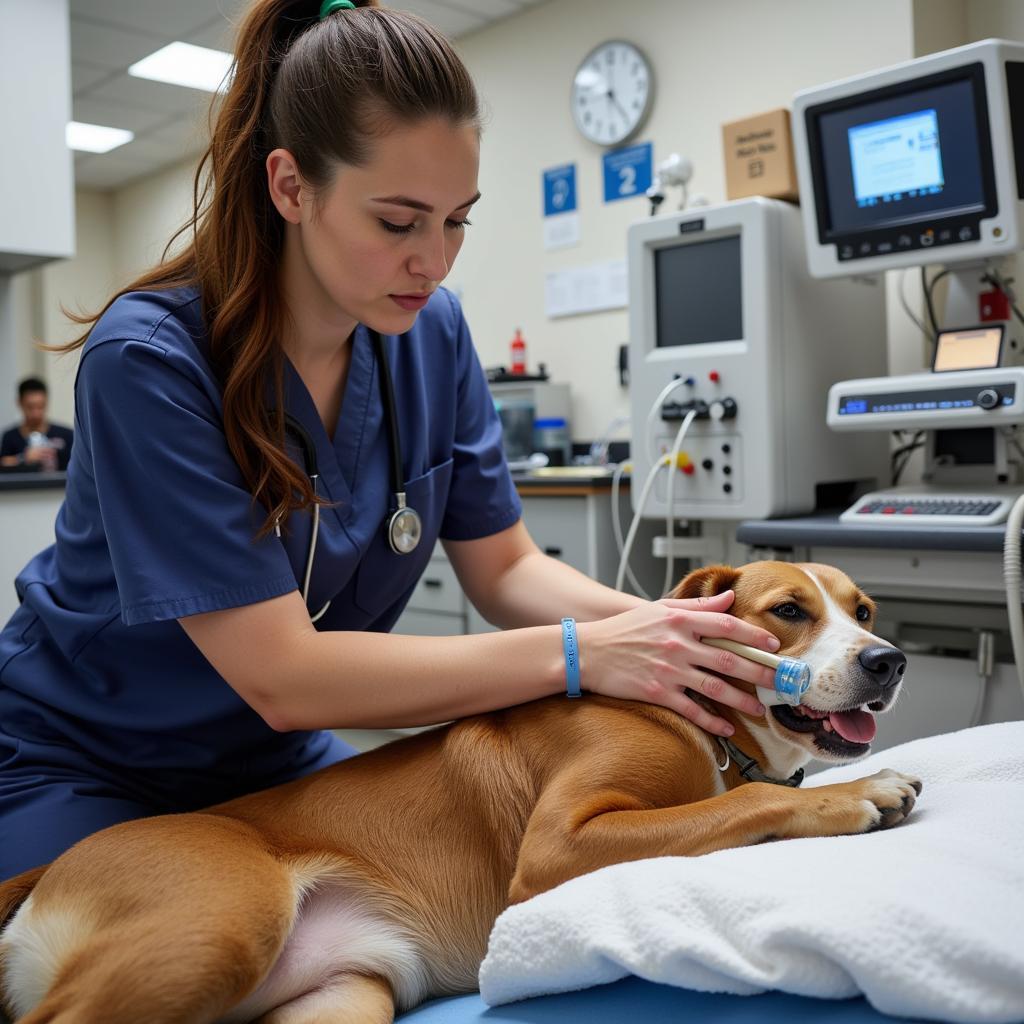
(706, 582)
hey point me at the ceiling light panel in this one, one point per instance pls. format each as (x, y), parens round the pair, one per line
(195, 67)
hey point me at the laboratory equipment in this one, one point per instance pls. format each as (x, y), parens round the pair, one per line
(547, 401)
(726, 321)
(551, 437)
(517, 416)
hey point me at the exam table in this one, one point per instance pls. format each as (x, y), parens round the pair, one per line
(643, 1002)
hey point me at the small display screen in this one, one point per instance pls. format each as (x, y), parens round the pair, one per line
(976, 349)
(938, 400)
(698, 292)
(898, 157)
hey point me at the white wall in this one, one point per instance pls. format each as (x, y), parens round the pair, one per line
(713, 62)
(81, 284)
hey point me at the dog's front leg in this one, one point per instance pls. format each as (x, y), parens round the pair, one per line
(577, 826)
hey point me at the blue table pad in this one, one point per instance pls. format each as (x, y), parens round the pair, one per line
(637, 1001)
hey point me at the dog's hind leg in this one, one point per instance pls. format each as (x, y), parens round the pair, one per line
(350, 999)
(130, 928)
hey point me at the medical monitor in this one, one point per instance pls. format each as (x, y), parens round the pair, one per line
(726, 323)
(698, 293)
(973, 348)
(914, 164)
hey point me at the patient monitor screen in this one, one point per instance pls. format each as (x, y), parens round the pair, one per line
(698, 293)
(894, 157)
(976, 349)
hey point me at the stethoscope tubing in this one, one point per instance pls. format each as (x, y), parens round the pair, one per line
(402, 514)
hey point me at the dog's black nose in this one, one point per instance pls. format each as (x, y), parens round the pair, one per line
(885, 665)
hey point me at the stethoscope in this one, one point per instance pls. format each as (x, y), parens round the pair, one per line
(402, 524)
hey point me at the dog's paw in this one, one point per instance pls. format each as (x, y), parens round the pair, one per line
(893, 795)
(888, 797)
(864, 805)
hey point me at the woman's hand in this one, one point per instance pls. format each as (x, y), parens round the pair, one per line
(653, 653)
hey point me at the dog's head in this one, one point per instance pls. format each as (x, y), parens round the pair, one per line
(823, 618)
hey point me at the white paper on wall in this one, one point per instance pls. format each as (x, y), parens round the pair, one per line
(589, 289)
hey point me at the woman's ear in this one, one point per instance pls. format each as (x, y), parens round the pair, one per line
(706, 582)
(285, 185)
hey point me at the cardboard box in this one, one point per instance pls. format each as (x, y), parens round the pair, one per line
(759, 157)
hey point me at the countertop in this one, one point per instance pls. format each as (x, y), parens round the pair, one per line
(823, 529)
(22, 481)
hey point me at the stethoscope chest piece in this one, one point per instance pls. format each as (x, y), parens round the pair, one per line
(404, 528)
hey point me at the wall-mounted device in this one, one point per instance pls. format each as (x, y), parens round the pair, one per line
(721, 301)
(914, 165)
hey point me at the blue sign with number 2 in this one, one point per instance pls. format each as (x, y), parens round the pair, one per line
(627, 172)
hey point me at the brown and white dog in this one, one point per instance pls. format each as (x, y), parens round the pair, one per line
(374, 884)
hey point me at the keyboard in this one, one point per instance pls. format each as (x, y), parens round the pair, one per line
(907, 509)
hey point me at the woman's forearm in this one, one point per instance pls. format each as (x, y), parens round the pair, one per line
(375, 680)
(539, 589)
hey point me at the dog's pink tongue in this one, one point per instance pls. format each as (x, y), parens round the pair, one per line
(856, 726)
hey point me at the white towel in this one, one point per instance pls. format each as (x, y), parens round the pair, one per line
(925, 919)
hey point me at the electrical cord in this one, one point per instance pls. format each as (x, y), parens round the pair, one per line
(654, 410)
(1012, 577)
(929, 297)
(906, 308)
(617, 527)
(906, 450)
(662, 462)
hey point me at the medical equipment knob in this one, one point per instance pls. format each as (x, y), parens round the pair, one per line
(723, 409)
(988, 398)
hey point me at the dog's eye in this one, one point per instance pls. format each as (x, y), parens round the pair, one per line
(789, 611)
(863, 613)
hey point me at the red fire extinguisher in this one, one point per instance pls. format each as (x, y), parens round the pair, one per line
(518, 353)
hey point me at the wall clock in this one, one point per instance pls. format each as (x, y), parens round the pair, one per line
(612, 92)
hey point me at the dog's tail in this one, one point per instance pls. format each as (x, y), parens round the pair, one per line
(16, 890)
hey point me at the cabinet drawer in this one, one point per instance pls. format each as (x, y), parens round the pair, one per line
(561, 528)
(438, 589)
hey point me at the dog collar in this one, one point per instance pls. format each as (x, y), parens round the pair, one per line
(750, 769)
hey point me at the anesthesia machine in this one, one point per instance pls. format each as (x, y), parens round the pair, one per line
(733, 347)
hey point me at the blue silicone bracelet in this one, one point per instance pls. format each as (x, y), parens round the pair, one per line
(571, 649)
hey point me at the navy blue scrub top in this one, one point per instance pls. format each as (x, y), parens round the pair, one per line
(157, 523)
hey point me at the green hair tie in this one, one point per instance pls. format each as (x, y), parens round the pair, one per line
(330, 6)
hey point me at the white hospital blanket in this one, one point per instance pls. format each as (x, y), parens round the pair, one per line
(926, 919)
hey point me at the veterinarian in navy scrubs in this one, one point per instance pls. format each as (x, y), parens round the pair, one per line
(163, 657)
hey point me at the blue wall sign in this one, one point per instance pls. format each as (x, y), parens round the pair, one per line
(559, 190)
(627, 172)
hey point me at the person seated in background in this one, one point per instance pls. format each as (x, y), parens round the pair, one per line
(35, 441)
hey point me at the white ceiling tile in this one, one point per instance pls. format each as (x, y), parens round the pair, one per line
(486, 9)
(158, 96)
(110, 47)
(150, 16)
(115, 115)
(450, 21)
(159, 152)
(188, 134)
(218, 35)
(109, 171)
(84, 76)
